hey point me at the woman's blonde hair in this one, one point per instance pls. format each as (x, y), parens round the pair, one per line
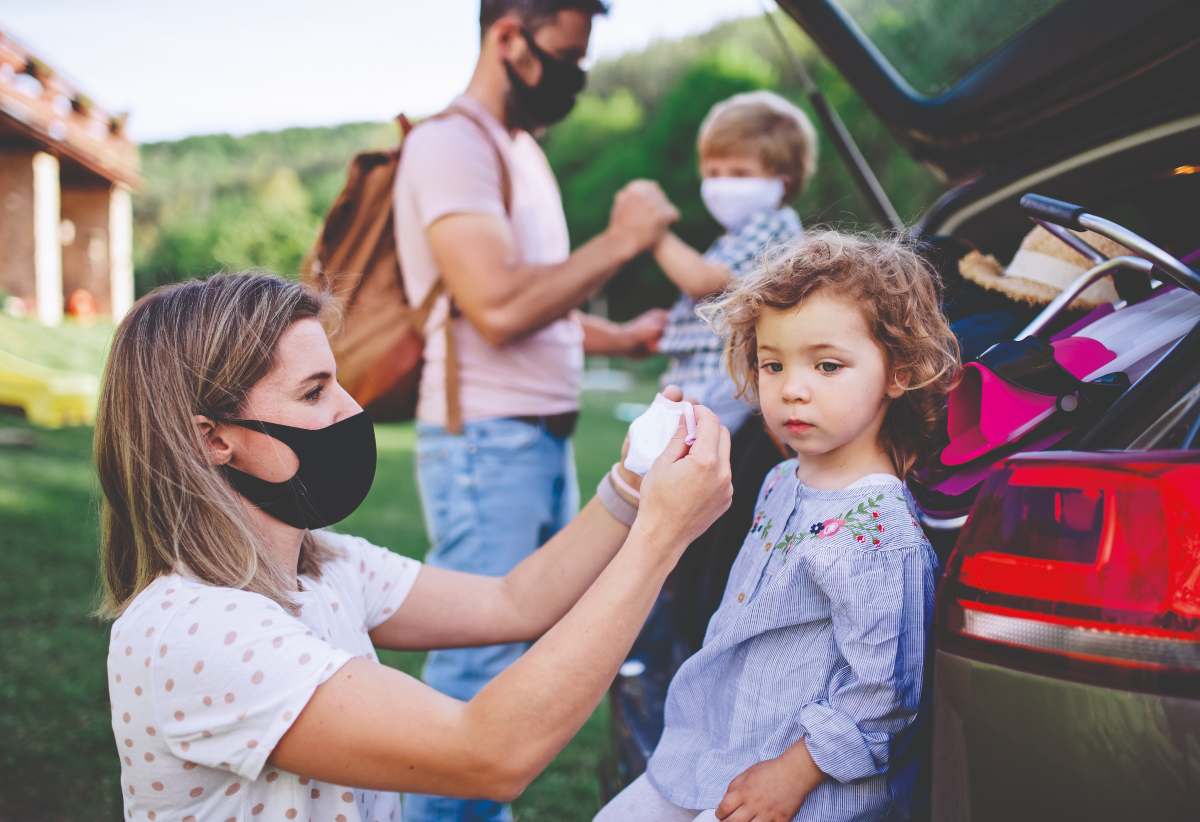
(899, 296)
(764, 125)
(193, 348)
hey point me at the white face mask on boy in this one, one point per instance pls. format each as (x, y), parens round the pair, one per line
(731, 200)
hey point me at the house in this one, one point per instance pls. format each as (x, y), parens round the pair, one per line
(67, 169)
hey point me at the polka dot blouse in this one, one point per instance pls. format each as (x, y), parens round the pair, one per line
(204, 681)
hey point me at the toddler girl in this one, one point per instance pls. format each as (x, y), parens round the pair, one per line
(803, 701)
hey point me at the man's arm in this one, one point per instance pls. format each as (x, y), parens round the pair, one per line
(687, 268)
(505, 298)
(638, 337)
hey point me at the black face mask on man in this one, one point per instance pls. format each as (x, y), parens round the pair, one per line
(531, 107)
(337, 467)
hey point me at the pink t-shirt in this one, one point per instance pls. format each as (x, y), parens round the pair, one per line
(448, 167)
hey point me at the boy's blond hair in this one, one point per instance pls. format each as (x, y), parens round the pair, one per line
(899, 296)
(763, 124)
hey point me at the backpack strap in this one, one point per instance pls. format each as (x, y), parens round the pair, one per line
(454, 421)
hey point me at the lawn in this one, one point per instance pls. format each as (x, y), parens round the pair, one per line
(57, 754)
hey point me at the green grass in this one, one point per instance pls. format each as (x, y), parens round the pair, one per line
(72, 346)
(57, 754)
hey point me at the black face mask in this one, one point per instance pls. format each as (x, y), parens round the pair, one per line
(337, 467)
(531, 107)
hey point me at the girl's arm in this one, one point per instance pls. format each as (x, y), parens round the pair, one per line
(371, 726)
(687, 268)
(774, 789)
(881, 612)
(882, 608)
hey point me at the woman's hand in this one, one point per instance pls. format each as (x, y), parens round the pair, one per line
(671, 392)
(688, 487)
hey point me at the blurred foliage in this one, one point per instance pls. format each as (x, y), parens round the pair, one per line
(220, 202)
(223, 202)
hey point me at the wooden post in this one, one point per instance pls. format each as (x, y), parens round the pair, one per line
(47, 214)
(30, 253)
(120, 250)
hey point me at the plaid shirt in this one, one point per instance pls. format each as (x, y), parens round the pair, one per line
(694, 350)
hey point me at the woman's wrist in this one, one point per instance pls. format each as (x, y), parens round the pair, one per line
(627, 483)
(621, 507)
(655, 543)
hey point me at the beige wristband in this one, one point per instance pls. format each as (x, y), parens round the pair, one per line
(621, 509)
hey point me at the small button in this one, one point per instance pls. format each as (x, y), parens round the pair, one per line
(741, 597)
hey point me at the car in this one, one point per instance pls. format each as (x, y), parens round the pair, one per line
(1065, 676)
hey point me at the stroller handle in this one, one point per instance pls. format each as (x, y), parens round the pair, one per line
(1053, 211)
(1078, 218)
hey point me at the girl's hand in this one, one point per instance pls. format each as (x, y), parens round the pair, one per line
(771, 791)
(688, 487)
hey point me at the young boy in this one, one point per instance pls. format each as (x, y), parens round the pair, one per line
(757, 152)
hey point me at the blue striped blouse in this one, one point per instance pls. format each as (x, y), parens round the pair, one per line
(822, 634)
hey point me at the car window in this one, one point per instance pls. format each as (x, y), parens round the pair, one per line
(934, 43)
(1179, 427)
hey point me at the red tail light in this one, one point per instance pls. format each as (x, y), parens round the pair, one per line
(1082, 561)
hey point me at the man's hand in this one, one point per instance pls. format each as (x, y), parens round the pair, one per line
(771, 791)
(643, 332)
(641, 214)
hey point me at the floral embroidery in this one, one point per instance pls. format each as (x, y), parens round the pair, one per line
(762, 525)
(773, 481)
(831, 526)
(859, 522)
(788, 541)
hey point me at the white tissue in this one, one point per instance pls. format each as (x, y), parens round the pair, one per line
(650, 433)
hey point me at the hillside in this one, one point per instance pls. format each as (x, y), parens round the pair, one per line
(223, 202)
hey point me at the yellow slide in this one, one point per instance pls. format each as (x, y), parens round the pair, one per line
(49, 398)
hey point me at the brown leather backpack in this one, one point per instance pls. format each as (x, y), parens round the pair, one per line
(380, 342)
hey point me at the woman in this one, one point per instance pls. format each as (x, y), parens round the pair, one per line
(242, 669)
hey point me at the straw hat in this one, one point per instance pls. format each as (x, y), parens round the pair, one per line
(1042, 267)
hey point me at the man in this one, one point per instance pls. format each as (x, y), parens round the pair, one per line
(478, 208)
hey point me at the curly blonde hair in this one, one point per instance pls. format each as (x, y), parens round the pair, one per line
(900, 297)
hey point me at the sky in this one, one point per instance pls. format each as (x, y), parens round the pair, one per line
(183, 67)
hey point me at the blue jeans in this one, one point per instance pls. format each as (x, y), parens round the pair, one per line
(490, 495)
